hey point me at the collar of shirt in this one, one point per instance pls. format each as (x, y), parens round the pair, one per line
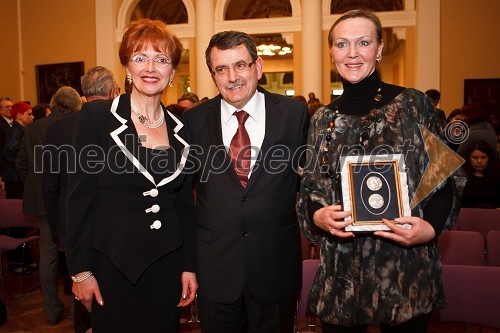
(252, 108)
(8, 120)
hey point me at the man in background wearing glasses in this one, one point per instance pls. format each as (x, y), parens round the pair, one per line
(246, 143)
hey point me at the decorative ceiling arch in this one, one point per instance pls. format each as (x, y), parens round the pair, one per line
(221, 7)
(181, 30)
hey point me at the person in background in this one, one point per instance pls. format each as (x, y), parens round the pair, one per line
(300, 98)
(41, 110)
(455, 129)
(456, 114)
(248, 237)
(313, 107)
(22, 115)
(65, 101)
(176, 109)
(98, 83)
(5, 125)
(391, 279)
(131, 228)
(188, 100)
(435, 97)
(476, 118)
(312, 98)
(482, 189)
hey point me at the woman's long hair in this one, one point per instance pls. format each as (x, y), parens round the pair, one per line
(483, 147)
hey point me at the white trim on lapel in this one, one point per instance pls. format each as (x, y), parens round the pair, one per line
(114, 135)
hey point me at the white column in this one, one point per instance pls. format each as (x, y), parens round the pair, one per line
(312, 48)
(104, 35)
(204, 28)
(427, 74)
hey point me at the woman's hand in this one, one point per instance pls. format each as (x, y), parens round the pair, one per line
(189, 288)
(330, 219)
(86, 290)
(420, 232)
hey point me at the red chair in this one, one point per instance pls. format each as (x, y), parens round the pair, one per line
(11, 216)
(309, 268)
(473, 295)
(478, 219)
(493, 248)
(462, 248)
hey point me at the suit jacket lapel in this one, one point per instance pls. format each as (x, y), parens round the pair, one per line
(119, 110)
(221, 159)
(273, 127)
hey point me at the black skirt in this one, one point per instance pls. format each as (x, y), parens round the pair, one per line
(150, 305)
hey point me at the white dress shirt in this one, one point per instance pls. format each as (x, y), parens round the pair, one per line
(255, 124)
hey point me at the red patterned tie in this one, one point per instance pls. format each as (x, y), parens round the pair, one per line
(240, 149)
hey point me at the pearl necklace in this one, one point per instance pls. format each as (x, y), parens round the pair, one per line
(144, 120)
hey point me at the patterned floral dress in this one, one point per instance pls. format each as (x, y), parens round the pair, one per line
(368, 280)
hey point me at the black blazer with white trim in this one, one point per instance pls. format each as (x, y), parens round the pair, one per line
(111, 191)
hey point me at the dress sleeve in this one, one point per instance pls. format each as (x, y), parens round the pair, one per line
(315, 189)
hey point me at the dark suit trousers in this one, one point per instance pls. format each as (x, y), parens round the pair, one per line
(246, 315)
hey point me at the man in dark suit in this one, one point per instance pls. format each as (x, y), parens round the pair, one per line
(98, 83)
(5, 126)
(435, 97)
(28, 163)
(248, 235)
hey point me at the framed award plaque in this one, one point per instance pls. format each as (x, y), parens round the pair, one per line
(374, 187)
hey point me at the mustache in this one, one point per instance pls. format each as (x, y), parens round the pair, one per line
(238, 82)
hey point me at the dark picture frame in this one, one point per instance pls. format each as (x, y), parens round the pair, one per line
(374, 187)
(485, 92)
(51, 77)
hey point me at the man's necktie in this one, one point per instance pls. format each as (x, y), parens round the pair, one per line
(240, 149)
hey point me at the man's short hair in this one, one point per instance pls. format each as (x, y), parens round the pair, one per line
(66, 100)
(434, 94)
(98, 81)
(192, 97)
(5, 98)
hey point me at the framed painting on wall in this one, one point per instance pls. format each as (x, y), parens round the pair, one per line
(51, 77)
(485, 92)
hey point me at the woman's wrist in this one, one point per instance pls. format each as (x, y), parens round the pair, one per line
(80, 277)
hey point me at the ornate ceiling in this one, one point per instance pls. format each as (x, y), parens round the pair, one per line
(174, 11)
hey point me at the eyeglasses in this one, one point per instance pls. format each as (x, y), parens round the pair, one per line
(239, 67)
(140, 60)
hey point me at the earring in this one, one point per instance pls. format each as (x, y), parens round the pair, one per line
(333, 60)
(170, 82)
(129, 78)
(379, 58)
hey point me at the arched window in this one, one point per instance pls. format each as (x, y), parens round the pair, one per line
(252, 9)
(168, 11)
(342, 6)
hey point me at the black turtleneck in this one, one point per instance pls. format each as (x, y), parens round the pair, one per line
(358, 98)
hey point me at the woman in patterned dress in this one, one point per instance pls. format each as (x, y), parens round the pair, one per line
(387, 278)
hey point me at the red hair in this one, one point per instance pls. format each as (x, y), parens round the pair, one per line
(155, 33)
